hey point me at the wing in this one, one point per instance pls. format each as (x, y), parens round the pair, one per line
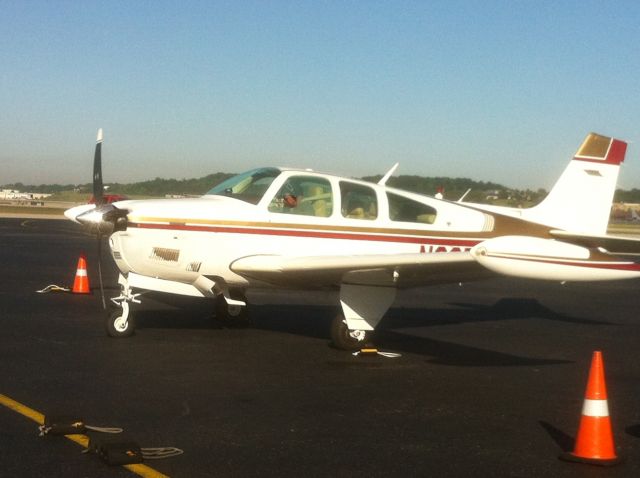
(397, 270)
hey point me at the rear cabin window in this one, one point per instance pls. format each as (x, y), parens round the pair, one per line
(358, 201)
(403, 209)
(304, 195)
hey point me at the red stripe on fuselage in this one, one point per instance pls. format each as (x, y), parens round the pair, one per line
(312, 233)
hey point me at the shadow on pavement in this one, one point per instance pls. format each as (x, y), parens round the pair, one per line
(564, 441)
(314, 321)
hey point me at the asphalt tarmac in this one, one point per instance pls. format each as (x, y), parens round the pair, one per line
(490, 381)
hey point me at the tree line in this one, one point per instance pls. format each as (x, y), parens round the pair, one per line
(452, 188)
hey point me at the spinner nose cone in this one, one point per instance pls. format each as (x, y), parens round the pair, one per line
(76, 211)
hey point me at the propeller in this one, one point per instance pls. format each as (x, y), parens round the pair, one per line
(99, 199)
(98, 186)
(108, 218)
(101, 218)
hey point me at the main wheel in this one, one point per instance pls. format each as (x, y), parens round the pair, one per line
(346, 339)
(224, 311)
(231, 315)
(120, 323)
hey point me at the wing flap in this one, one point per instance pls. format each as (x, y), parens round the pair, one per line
(399, 270)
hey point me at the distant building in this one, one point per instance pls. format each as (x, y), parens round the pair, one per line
(15, 194)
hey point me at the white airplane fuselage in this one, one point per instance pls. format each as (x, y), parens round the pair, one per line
(182, 239)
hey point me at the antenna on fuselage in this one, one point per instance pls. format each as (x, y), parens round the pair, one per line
(464, 195)
(384, 179)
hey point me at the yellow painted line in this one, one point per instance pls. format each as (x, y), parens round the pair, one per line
(22, 409)
(144, 470)
(82, 440)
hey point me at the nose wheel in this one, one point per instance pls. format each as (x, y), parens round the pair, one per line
(120, 322)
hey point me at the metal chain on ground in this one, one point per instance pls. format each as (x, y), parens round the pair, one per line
(160, 452)
(104, 429)
(53, 288)
(377, 352)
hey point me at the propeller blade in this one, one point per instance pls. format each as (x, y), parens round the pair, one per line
(98, 187)
(104, 303)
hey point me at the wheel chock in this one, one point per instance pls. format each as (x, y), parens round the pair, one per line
(116, 452)
(62, 425)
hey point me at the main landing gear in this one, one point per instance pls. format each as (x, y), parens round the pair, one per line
(230, 313)
(345, 339)
(362, 309)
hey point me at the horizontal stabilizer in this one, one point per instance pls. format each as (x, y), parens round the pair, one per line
(617, 245)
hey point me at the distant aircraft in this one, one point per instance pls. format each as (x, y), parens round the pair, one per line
(291, 228)
(108, 198)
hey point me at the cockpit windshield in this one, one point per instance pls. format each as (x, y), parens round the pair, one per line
(249, 186)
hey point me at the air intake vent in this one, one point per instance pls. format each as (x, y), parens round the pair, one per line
(193, 266)
(163, 254)
(116, 255)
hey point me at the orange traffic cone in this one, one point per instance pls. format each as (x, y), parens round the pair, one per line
(594, 443)
(81, 282)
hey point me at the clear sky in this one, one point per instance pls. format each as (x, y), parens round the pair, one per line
(491, 90)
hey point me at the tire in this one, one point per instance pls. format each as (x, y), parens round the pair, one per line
(344, 339)
(231, 315)
(118, 325)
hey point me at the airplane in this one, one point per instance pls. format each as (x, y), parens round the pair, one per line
(108, 198)
(302, 229)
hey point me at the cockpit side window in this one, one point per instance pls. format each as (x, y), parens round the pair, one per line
(304, 195)
(358, 201)
(249, 186)
(403, 209)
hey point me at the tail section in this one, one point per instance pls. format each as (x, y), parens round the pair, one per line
(581, 199)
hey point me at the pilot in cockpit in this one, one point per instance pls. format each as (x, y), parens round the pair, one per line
(291, 194)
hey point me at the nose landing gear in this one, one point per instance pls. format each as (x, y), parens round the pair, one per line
(120, 321)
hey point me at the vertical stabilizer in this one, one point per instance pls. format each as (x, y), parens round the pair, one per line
(581, 199)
